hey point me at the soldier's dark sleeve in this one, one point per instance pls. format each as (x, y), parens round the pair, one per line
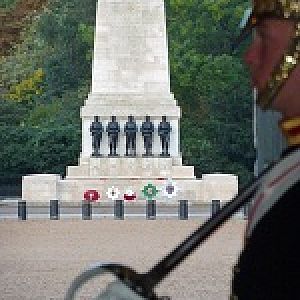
(269, 266)
(92, 129)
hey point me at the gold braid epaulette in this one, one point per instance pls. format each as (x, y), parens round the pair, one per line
(291, 130)
(278, 8)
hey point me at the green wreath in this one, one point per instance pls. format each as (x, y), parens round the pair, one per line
(149, 191)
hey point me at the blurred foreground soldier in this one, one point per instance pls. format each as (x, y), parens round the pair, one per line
(113, 130)
(147, 130)
(269, 265)
(130, 130)
(164, 129)
(96, 130)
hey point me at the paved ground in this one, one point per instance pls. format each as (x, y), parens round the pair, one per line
(39, 258)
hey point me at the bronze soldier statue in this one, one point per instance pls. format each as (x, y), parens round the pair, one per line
(130, 130)
(113, 130)
(164, 129)
(96, 130)
(147, 130)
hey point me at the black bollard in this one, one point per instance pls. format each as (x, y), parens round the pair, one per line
(215, 206)
(151, 210)
(119, 210)
(86, 210)
(54, 210)
(183, 212)
(22, 211)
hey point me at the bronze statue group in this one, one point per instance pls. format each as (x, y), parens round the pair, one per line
(130, 130)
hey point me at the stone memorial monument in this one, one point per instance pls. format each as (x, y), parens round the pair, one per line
(130, 77)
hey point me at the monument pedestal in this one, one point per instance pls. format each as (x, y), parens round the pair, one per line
(102, 174)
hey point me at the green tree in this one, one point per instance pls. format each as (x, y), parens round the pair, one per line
(28, 89)
(7, 4)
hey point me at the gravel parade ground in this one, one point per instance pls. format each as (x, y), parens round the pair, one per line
(40, 258)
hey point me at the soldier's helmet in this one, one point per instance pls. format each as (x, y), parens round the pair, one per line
(130, 118)
(279, 9)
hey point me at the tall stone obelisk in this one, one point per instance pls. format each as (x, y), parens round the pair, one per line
(131, 53)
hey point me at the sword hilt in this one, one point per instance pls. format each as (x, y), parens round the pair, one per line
(135, 281)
